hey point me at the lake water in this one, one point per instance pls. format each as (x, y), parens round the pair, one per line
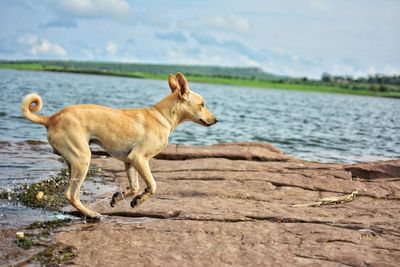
(311, 126)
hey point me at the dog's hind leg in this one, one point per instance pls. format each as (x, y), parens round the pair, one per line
(78, 169)
(133, 185)
(142, 166)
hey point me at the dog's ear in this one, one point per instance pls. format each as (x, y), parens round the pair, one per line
(183, 86)
(172, 83)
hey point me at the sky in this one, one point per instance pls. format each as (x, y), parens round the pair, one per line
(286, 37)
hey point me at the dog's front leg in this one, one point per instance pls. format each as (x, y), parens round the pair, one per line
(133, 185)
(141, 164)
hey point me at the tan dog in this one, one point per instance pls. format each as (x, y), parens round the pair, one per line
(131, 135)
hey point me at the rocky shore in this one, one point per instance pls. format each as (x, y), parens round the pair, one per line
(239, 204)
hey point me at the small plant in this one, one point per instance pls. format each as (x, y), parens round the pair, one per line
(24, 243)
(49, 224)
(56, 254)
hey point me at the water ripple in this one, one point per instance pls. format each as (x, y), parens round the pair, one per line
(312, 126)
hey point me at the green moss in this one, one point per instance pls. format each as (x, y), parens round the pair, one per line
(53, 189)
(49, 224)
(24, 243)
(93, 172)
(4, 195)
(56, 254)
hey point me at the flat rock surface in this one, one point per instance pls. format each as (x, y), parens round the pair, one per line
(231, 204)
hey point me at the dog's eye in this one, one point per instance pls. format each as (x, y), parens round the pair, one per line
(202, 104)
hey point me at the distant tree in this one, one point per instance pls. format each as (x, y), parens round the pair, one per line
(373, 87)
(349, 78)
(326, 77)
(371, 79)
(383, 88)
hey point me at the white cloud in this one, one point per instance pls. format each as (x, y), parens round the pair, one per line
(208, 55)
(391, 70)
(111, 48)
(229, 23)
(371, 70)
(342, 69)
(273, 34)
(119, 10)
(339, 69)
(28, 39)
(204, 56)
(44, 47)
(386, 69)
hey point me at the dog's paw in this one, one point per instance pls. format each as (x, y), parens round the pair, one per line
(115, 198)
(95, 217)
(135, 201)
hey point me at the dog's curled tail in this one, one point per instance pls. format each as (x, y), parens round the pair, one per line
(33, 103)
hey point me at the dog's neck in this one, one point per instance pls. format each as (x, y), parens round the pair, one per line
(167, 123)
(169, 109)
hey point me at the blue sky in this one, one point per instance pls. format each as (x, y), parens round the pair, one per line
(288, 37)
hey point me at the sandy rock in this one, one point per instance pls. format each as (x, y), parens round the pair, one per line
(231, 205)
(376, 170)
(20, 235)
(232, 151)
(39, 196)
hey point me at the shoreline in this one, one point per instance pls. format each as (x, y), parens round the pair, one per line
(235, 203)
(261, 84)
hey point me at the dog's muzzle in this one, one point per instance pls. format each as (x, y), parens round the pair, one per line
(208, 124)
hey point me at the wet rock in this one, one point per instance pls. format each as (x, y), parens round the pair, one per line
(13, 251)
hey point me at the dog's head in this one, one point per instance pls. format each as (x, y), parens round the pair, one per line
(192, 105)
